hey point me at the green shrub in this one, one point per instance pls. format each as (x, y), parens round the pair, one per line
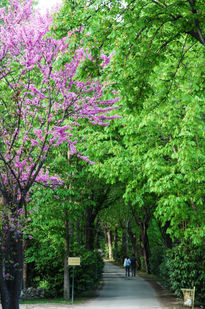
(157, 247)
(50, 275)
(88, 275)
(184, 267)
(156, 258)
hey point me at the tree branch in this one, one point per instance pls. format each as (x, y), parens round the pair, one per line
(198, 33)
(179, 63)
(156, 2)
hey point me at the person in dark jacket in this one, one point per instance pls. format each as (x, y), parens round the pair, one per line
(133, 265)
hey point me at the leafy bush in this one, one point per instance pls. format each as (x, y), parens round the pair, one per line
(50, 278)
(157, 247)
(49, 275)
(184, 267)
(88, 275)
(156, 259)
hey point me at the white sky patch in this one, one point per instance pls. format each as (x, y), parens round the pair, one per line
(44, 5)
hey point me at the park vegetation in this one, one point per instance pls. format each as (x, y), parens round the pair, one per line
(72, 184)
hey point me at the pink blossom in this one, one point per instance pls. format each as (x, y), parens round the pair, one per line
(38, 133)
(34, 142)
(19, 164)
(19, 211)
(47, 101)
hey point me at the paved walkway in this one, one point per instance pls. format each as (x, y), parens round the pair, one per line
(118, 292)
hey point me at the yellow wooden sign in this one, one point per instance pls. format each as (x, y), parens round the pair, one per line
(74, 261)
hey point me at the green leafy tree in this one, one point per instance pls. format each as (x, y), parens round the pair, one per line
(157, 149)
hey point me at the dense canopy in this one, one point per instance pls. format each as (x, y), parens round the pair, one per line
(133, 185)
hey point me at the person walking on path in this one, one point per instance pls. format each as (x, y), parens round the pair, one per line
(127, 263)
(133, 265)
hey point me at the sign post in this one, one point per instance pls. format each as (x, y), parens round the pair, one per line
(73, 284)
(73, 261)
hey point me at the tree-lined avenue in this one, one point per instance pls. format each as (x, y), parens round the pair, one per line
(118, 292)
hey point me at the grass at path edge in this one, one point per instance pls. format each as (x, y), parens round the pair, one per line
(54, 300)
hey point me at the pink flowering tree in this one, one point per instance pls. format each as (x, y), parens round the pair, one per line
(41, 101)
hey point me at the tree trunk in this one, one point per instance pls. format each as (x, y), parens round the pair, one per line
(145, 245)
(133, 240)
(25, 243)
(166, 238)
(97, 233)
(90, 228)
(109, 240)
(91, 213)
(127, 238)
(115, 239)
(79, 237)
(66, 292)
(144, 241)
(124, 244)
(11, 269)
(90, 236)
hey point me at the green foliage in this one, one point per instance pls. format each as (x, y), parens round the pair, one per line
(157, 247)
(158, 146)
(184, 267)
(45, 265)
(118, 254)
(88, 275)
(152, 160)
(49, 274)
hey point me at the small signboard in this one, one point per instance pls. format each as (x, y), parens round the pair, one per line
(74, 261)
(189, 295)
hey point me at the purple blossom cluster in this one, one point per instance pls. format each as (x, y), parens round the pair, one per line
(41, 104)
(14, 221)
(45, 96)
